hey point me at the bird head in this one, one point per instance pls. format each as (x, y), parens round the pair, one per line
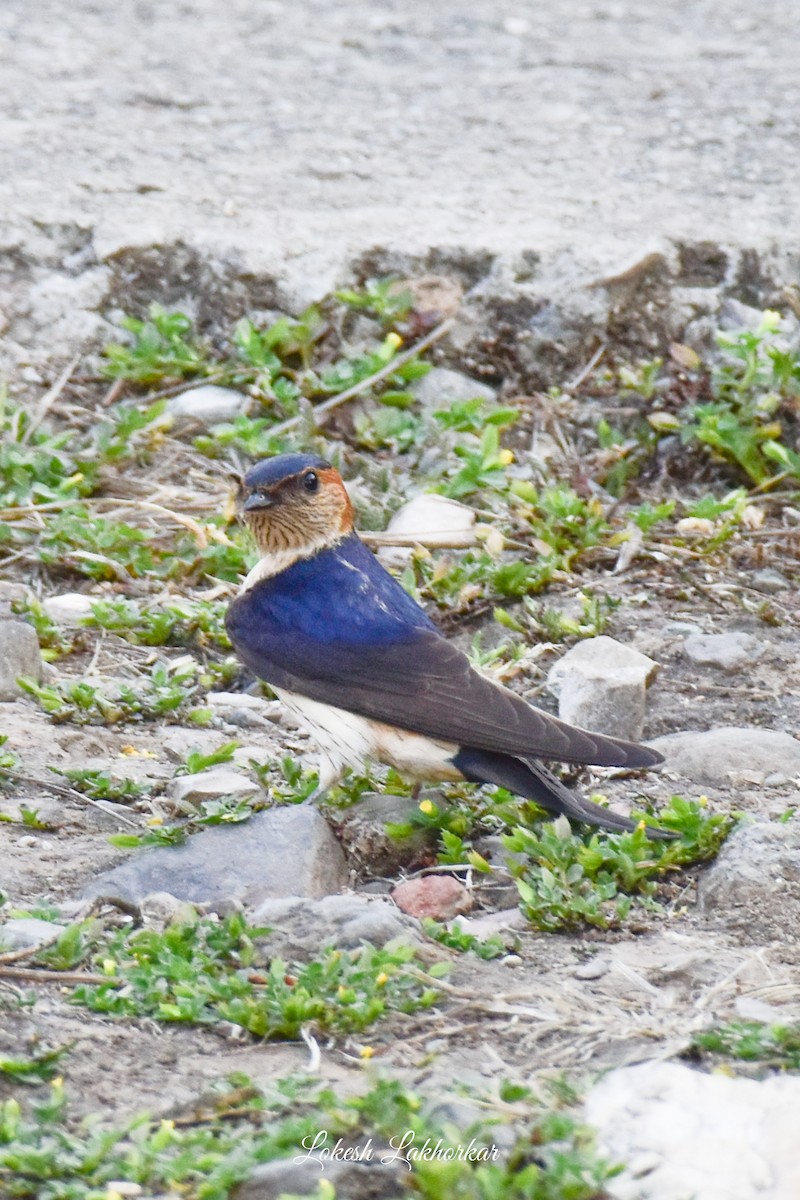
(295, 505)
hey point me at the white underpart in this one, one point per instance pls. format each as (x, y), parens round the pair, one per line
(281, 560)
(347, 740)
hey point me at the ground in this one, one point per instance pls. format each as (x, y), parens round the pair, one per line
(587, 186)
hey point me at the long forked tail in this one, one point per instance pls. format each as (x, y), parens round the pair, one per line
(530, 779)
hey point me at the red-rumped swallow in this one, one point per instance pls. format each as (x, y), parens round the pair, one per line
(365, 670)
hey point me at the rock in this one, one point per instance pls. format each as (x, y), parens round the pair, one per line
(683, 1133)
(224, 702)
(593, 968)
(19, 655)
(754, 884)
(441, 387)
(300, 927)
(430, 516)
(439, 896)
(206, 405)
(362, 830)
(601, 684)
(681, 628)
(769, 581)
(160, 909)
(69, 609)
(490, 923)
(282, 852)
(433, 521)
(718, 756)
(367, 1180)
(210, 785)
(728, 651)
(21, 932)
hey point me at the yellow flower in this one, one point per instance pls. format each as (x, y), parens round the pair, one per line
(382, 979)
(366, 1052)
(394, 340)
(506, 457)
(155, 821)
(427, 807)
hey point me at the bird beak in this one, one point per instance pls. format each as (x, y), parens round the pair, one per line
(258, 500)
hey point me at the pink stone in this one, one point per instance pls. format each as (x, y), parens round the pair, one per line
(439, 896)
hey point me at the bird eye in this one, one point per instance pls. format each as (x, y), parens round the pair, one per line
(310, 481)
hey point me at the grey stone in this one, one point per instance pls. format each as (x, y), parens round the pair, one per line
(160, 909)
(368, 1180)
(299, 927)
(210, 785)
(593, 968)
(754, 884)
(716, 757)
(601, 685)
(206, 405)
(769, 581)
(684, 1133)
(69, 609)
(363, 832)
(22, 932)
(224, 702)
(681, 628)
(728, 651)
(441, 387)
(488, 924)
(19, 655)
(282, 852)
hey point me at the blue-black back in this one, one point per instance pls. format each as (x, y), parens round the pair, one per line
(338, 601)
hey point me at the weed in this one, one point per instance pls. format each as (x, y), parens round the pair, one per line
(39, 1068)
(53, 641)
(533, 620)
(9, 761)
(168, 692)
(209, 971)
(46, 1155)
(774, 1047)
(102, 785)
(380, 298)
(161, 348)
(197, 761)
(566, 879)
(457, 939)
(179, 622)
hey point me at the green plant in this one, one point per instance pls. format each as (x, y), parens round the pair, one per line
(773, 1047)
(566, 879)
(208, 971)
(45, 1154)
(384, 299)
(102, 785)
(457, 939)
(754, 385)
(53, 641)
(9, 761)
(161, 347)
(535, 620)
(39, 1068)
(197, 761)
(169, 691)
(178, 622)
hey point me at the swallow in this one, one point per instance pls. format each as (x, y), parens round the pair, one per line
(363, 668)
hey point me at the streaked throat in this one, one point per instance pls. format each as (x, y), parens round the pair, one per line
(274, 562)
